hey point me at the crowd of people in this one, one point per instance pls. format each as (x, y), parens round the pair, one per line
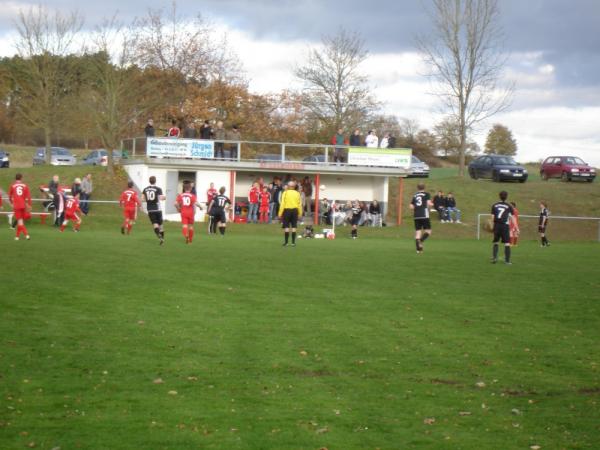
(445, 206)
(340, 141)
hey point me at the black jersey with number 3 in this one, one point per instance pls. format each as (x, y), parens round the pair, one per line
(152, 195)
(420, 203)
(502, 212)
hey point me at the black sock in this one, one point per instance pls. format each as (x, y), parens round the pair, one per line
(222, 230)
(507, 253)
(418, 244)
(545, 240)
(354, 233)
(287, 236)
(293, 237)
(157, 232)
(424, 237)
(495, 252)
(162, 234)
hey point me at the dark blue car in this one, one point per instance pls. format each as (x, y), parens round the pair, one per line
(498, 168)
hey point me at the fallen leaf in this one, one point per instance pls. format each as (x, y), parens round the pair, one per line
(429, 420)
(515, 411)
(480, 384)
(158, 381)
(172, 392)
(192, 378)
(464, 413)
(303, 353)
(141, 322)
(322, 430)
(535, 447)
(31, 444)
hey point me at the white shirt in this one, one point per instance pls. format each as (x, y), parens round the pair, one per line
(372, 141)
(384, 143)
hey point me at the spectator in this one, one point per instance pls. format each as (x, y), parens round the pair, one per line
(76, 188)
(275, 190)
(189, 132)
(325, 212)
(451, 208)
(372, 140)
(355, 140)
(234, 135)
(307, 188)
(174, 131)
(219, 133)
(391, 141)
(338, 139)
(385, 141)
(55, 193)
(439, 204)
(265, 200)
(149, 130)
(206, 132)
(514, 226)
(86, 193)
(253, 198)
(375, 214)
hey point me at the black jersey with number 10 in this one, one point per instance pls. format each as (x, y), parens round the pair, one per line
(152, 195)
(420, 202)
(502, 212)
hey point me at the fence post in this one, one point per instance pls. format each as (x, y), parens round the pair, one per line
(134, 145)
(326, 154)
(239, 151)
(478, 226)
(121, 144)
(282, 152)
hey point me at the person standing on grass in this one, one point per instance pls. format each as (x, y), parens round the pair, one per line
(71, 210)
(20, 199)
(217, 210)
(152, 195)
(420, 204)
(502, 216)
(265, 200)
(514, 225)
(290, 209)
(86, 192)
(253, 195)
(357, 209)
(543, 222)
(129, 201)
(186, 205)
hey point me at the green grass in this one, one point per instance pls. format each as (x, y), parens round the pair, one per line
(333, 344)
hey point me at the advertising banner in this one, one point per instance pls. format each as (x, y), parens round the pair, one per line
(165, 147)
(382, 157)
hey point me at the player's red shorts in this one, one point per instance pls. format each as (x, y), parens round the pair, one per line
(21, 214)
(187, 218)
(129, 213)
(72, 217)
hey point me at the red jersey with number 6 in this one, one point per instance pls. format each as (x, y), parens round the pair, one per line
(19, 195)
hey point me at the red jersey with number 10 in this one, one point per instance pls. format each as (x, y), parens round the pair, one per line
(19, 195)
(129, 199)
(186, 202)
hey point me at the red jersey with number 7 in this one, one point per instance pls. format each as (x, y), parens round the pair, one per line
(129, 199)
(19, 195)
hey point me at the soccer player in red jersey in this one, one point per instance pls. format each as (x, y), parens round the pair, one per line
(265, 199)
(71, 210)
(20, 199)
(514, 225)
(186, 205)
(129, 201)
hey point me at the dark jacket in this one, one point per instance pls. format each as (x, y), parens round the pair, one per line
(355, 140)
(439, 202)
(149, 130)
(450, 202)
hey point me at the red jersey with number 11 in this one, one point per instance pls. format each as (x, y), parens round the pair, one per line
(19, 195)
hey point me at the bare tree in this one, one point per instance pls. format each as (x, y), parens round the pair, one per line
(119, 96)
(466, 61)
(44, 41)
(186, 48)
(335, 91)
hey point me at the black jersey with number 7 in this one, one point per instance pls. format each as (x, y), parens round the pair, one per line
(502, 212)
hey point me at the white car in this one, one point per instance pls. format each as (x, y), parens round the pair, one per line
(418, 169)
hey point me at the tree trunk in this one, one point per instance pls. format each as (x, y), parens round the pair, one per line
(110, 167)
(48, 144)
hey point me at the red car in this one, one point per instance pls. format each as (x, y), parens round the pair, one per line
(567, 168)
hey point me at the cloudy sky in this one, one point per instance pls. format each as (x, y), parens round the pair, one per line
(553, 46)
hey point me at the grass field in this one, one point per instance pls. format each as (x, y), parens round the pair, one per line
(112, 342)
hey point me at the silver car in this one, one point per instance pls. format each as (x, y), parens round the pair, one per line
(418, 169)
(59, 157)
(100, 157)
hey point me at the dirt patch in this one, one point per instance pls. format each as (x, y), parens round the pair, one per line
(447, 382)
(589, 391)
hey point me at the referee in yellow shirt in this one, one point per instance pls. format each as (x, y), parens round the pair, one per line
(290, 208)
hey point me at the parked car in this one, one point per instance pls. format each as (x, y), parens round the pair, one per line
(568, 168)
(498, 168)
(59, 157)
(100, 157)
(4, 159)
(315, 159)
(418, 168)
(270, 157)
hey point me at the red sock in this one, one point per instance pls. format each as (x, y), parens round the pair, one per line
(24, 230)
(62, 227)
(191, 234)
(19, 229)
(77, 226)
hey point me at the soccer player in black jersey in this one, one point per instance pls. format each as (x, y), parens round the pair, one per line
(152, 195)
(502, 216)
(543, 222)
(357, 210)
(217, 208)
(420, 204)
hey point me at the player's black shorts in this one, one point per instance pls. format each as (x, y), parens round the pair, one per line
(501, 233)
(422, 224)
(355, 219)
(219, 215)
(155, 217)
(290, 218)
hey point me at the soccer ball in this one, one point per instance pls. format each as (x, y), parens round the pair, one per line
(322, 187)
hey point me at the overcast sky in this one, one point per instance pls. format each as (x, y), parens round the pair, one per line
(554, 48)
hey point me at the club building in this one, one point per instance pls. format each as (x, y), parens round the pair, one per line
(364, 175)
